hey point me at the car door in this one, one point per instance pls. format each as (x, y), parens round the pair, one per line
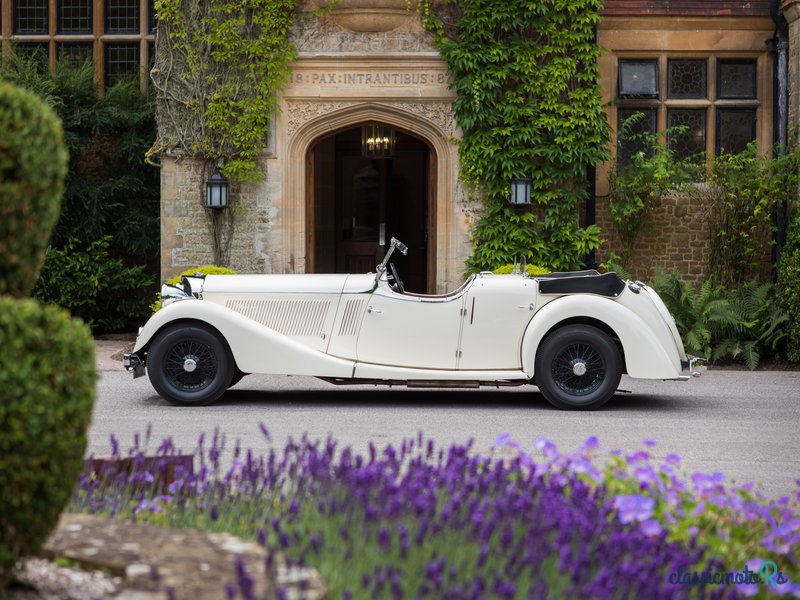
(410, 331)
(498, 309)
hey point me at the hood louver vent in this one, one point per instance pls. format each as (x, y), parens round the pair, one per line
(292, 318)
(351, 317)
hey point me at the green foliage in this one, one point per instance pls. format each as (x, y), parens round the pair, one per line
(47, 378)
(717, 323)
(789, 288)
(528, 103)
(92, 285)
(205, 270)
(109, 190)
(637, 187)
(531, 270)
(33, 163)
(747, 188)
(223, 64)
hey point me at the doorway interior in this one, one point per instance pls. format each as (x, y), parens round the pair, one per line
(356, 204)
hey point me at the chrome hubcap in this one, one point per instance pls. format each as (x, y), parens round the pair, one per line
(189, 364)
(579, 368)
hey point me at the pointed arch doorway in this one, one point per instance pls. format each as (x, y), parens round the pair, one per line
(356, 204)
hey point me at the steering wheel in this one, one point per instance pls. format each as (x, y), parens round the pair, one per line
(394, 280)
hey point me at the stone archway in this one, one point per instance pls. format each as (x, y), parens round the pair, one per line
(307, 121)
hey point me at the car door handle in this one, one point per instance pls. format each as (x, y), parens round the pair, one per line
(528, 306)
(374, 310)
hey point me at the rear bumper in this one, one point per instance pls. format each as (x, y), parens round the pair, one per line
(695, 365)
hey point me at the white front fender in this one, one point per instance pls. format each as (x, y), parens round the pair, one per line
(255, 348)
(646, 355)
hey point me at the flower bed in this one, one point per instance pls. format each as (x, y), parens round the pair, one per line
(417, 521)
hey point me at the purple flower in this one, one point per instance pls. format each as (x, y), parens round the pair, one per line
(591, 444)
(546, 447)
(634, 508)
(649, 443)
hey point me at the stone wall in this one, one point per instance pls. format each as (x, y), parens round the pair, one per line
(193, 235)
(675, 237)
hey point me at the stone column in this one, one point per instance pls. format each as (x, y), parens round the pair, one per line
(791, 10)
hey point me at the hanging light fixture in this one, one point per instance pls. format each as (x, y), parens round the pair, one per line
(217, 191)
(377, 141)
(520, 191)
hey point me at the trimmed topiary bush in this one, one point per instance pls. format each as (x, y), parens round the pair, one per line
(33, 162)
(789, 288)
(532, 270)
(47, 377)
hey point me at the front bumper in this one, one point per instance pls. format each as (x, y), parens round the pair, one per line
(132, 362)
(695, 365)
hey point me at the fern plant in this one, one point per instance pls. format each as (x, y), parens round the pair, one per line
(717, 323)
(700, 316)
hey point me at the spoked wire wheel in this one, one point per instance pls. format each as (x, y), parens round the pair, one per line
(577, 367)
(190, 364)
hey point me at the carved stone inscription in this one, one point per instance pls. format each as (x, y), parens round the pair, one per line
(369, 78)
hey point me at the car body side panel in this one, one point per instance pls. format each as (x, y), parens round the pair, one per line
(498, 310)
(646, 356)
(256, 349)
(410, 331)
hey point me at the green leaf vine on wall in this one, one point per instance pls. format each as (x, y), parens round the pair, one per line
(220, 66)
(528, 104)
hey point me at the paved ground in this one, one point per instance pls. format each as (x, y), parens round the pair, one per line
(745, 424)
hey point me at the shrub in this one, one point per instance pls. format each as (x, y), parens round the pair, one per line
(531, 270)
(717, 323)
(47, 380)
(789, 288)
(92, 285)
(33, 162)
(205, 270)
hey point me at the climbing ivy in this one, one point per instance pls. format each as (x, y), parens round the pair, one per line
(218, 78)
(528, 104)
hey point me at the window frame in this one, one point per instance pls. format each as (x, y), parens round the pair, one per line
(712, 103)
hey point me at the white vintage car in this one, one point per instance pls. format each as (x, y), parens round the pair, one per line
(570, 334)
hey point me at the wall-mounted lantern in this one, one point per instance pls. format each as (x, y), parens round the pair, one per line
(217, 191)
(520, 191)
(377, 141)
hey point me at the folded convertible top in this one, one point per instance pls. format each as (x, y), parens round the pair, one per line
(582, 282)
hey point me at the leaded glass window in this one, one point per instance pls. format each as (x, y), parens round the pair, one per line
(74, 53)
(30, 17)
(736, 79)
(75, 16)
(122, 16)
(122, 60)
(631, 132)
(638, 78)
(690, 140)
(687, 79)
(735, 129)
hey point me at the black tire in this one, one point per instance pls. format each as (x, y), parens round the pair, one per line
(180, 347)
(237, 377)
(578, 367)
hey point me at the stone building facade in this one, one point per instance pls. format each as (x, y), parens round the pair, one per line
(357, 66)
(324, 208)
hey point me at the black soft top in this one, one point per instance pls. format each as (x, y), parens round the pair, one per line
(581, 282)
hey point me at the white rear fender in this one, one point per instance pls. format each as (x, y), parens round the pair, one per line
(646, 356)
(255, 348)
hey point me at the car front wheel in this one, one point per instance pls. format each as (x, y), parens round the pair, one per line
(190, 365)
(578, 367)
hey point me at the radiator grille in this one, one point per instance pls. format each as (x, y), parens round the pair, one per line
(353, 309)
(293, 318)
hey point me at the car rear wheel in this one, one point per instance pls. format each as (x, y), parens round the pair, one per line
(578, 367)
(190, 365)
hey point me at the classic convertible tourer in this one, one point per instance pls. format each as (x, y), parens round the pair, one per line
(570, 334)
